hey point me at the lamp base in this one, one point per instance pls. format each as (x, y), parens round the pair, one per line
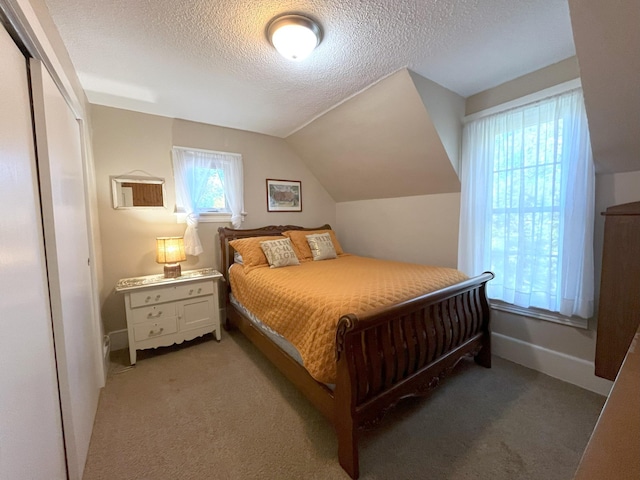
(172, 270)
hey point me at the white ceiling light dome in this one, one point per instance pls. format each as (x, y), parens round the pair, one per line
(294, 36)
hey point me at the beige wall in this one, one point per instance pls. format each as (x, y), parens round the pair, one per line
(611, 189)
(421, 229)
(533, 82)
(607, 38)
(446, 109)
(125, 141)
(424, 229)
(383, 142)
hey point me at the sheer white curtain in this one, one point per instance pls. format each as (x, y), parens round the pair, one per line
(191, 167)
(527, 205)
(233, 187)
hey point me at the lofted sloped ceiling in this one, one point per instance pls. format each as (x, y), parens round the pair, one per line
(398, 138)
(210, 61)
(607, 40)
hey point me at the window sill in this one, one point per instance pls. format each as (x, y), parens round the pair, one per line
(210, 217)
(215, 218)
(538, 314)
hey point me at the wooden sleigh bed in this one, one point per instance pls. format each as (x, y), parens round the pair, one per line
(382, 356)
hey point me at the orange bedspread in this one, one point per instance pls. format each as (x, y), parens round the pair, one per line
(304, 303)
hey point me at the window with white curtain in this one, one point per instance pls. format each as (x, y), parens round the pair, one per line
(527, 205)
(209, 187)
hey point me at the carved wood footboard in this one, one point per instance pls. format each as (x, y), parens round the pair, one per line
(383, 356)
(402, 351)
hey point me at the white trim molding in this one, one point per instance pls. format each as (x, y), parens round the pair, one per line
(554, 317)
(23, 18)
(527, 99)
(119, 339)
(574, 370)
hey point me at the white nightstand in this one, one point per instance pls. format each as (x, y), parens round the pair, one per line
(163, 311)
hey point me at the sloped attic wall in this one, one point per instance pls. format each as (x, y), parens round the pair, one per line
(385, 143)
(607, 39)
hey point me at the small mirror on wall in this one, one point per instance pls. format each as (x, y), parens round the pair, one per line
(137, 192)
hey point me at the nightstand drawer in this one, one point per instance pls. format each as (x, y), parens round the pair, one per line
(155, 329)
(153, 313)
(195, 289)
(170, 293)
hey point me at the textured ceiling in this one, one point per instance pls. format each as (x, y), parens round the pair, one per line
(209, 61)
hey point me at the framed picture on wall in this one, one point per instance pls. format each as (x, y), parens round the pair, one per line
(284, 195)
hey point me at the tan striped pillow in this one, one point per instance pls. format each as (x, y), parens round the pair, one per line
(279, 253)
(321, 246)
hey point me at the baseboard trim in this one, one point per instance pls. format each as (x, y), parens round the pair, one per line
(106, 356)
(119, 339)
(574, 370)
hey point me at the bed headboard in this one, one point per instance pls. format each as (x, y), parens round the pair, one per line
(227, 234)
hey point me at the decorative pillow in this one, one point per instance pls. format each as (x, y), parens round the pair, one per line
(321, 246)
(301, 247)
(252, 254)
(279, 253)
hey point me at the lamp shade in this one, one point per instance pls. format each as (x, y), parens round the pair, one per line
(170, 250)
(294, 36)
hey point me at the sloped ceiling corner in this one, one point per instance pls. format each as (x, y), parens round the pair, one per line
(446, 109)
(383, 143)
(607, 39)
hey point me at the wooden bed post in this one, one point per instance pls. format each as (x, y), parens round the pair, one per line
(483, 358)
(345, 421)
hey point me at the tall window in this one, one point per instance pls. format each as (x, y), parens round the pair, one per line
(207, 183)
(527, 205)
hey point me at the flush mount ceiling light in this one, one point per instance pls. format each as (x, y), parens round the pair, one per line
(294, 36)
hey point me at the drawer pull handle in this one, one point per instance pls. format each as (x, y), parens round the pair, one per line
(151, 315)
(191, 291)
(146, 300)
(199, 290)
(156, 332)
(157, 297)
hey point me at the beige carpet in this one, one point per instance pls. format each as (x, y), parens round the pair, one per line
(208, 410)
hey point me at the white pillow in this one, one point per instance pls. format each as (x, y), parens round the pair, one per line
(321, 246)
(279, 253)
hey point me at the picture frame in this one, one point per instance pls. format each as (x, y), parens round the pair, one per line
(284, 195)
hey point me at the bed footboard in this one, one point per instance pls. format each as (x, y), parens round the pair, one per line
(382, 356)
(402, 351)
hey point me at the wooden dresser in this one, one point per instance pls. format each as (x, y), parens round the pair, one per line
(613, 452)
(163, 311)
(619, 310)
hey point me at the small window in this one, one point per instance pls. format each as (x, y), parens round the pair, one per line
(213, 198)
(209, 185)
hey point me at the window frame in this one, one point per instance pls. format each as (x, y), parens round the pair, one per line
(207, 216)
(499, 305)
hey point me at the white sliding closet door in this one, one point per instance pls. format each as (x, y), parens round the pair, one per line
(31, 443)
(67, 245)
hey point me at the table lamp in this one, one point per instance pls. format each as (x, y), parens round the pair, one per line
(170, 251)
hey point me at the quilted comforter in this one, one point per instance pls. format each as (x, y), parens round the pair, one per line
(304, 302)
